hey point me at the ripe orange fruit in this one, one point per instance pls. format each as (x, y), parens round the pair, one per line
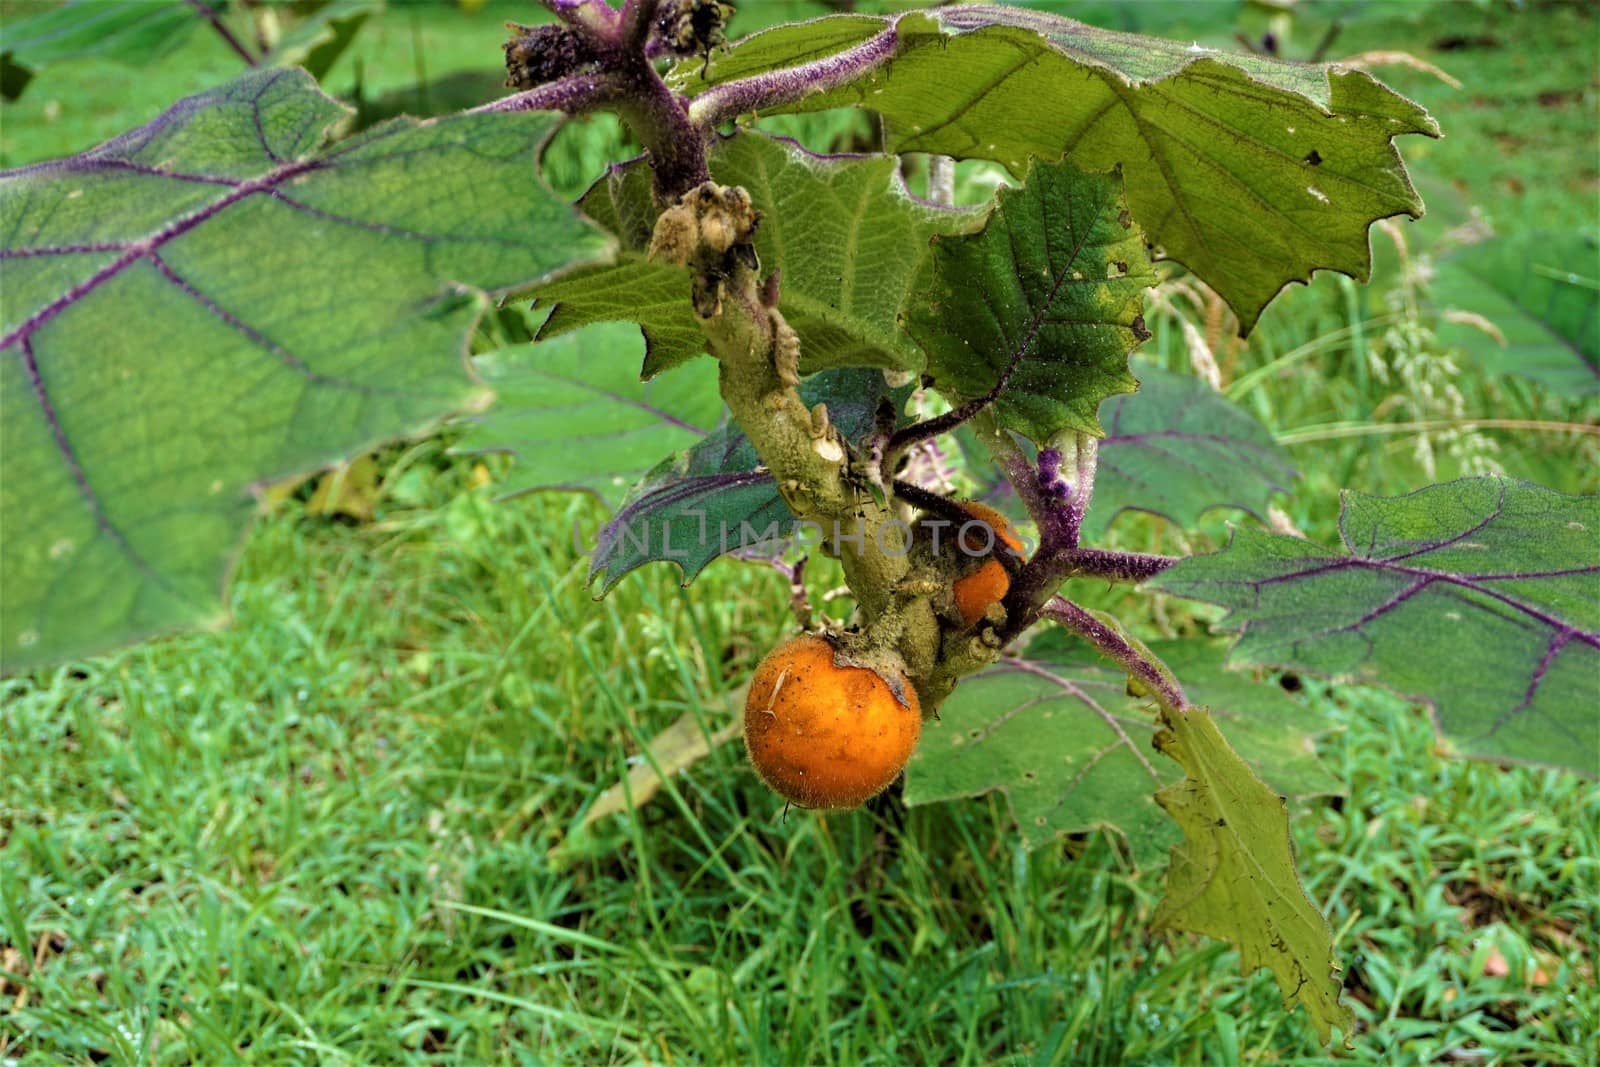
(990, 583)
(825, 736)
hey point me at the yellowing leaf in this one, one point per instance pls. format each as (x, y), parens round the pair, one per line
(1233, 876)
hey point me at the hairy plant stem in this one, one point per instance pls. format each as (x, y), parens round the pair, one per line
(723, 102)
(1057, 502)
(820, 478)
(625, 81)
(1141, 666)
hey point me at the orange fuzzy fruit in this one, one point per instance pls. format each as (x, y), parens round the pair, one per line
(824, 736)
(990, 583)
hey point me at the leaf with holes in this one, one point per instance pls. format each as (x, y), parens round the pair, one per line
(1042, 307)
(1232, 877)
(1178, 448)
(1480, 596)
(1059, 735)
(1250, 171)
(841, 229)
(1538, 295)
(574, 413)
(716, 498)
(209, 303)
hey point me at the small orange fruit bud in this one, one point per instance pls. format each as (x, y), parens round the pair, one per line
(989, 584)
(827, 736)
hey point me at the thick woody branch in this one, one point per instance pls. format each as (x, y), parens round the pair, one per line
(758, 353)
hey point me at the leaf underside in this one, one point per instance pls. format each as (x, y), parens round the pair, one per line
(1058, 734)
(1177, 448)
(208, 303)
(1250, 171)
(1479, 596)
(1053, 286)
(842, 231)
(1233, 878)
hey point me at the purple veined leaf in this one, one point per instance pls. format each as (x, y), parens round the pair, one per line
(1044, 304)
(1251, 171)
(1528, 305)
(1057, 733)
(862, 235)
(1178, 448)
(209, 303)
(716, 498)
(1479, 596)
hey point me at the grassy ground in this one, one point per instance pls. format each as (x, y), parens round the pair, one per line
(342, 829)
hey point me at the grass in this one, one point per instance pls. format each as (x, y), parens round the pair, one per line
(326, 833)
(344, 828)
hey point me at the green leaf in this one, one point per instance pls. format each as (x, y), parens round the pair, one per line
(132, 32)
(842, 230)
(1058, 734)
(1541, 292)
(1480, 596)
(1250, 171)
(1178, 448)
(208, 303)
(317, 41)
(574, 413)
(1233, 875)
(716, 498)
(1051, 289)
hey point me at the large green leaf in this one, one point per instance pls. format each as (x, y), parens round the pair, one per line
(716, 498)
(1541, 291)
(1232, 877)
(574, 413)
(842, 230)
(209, 302)
(1251, 171)
(1481, 596)
(133, 32)
(1059, 735)
(1178, 448)
(137, 33)
(1051, 292)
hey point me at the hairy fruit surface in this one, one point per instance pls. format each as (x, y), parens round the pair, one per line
(974, 593)
(827, 736)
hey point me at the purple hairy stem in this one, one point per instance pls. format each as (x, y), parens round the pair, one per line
(623, 80)
(638, 17)
(594, 18)
(730, 99)
(1113, 566)
(1154, 677)
(659, 119)
(575, 95)
(1039, 578)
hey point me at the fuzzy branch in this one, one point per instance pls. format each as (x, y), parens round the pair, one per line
(1142, 667)
(731, 99)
